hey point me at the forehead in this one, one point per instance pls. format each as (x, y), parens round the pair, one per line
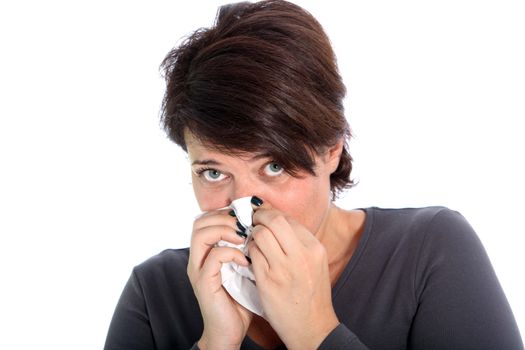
(197, 150)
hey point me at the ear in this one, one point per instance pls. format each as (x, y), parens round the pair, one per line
(333, 155)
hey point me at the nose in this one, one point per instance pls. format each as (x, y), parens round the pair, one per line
(244, 187)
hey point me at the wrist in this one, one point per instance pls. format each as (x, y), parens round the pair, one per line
(205, 344)
(313, 338)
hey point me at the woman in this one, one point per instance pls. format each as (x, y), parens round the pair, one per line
(257, 103)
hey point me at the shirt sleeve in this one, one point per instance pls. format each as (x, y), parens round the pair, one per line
(130, 327)
(461, 304)
(342, 338)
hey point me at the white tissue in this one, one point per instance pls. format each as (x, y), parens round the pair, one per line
(239, 281)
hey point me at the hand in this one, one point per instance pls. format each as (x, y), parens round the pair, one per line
(291, 270)
(225, 321)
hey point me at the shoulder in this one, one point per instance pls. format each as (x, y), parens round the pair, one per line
(430, 242)
(166, 259)
(423, 223)
(159, 300)
(414, 217)
(169, 264)
(438, 239)
(421, 235)
(436, 227)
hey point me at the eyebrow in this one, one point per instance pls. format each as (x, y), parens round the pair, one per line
(205, 162)
(214, 162)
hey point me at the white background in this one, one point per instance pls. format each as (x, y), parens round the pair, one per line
(90, 186)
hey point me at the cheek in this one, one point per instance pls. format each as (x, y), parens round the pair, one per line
(306, 200)
(208, 199)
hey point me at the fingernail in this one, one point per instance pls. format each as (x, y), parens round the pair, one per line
(232, 213)
(256, 201)
(248, 258)
(240, 227)
(242, 234)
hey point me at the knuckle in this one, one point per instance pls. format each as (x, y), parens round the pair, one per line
(276, 219)
(195, 225)
(195, 233)
(214, 252)
(318, 251)
(249, 248)
(192, 275)
(258, 233)
(199, 221)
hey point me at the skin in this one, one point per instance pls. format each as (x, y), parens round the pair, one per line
(297, 249)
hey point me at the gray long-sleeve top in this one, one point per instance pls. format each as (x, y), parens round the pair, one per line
(419, 279)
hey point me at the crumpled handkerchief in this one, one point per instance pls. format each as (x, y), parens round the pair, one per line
(239, 281)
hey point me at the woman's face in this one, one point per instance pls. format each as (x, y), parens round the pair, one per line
(218, 179)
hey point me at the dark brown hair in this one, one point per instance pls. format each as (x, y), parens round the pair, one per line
(264, 79)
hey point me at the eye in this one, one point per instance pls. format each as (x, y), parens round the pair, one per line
(211, 175)
(273, 169)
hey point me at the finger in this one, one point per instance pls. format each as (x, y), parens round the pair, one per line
(257, 202)
(218, 256)
(306, 237)
(203, 240)
(219, 217)
(216, 217)
(278, 224)
(259, 263)
(267, 244)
